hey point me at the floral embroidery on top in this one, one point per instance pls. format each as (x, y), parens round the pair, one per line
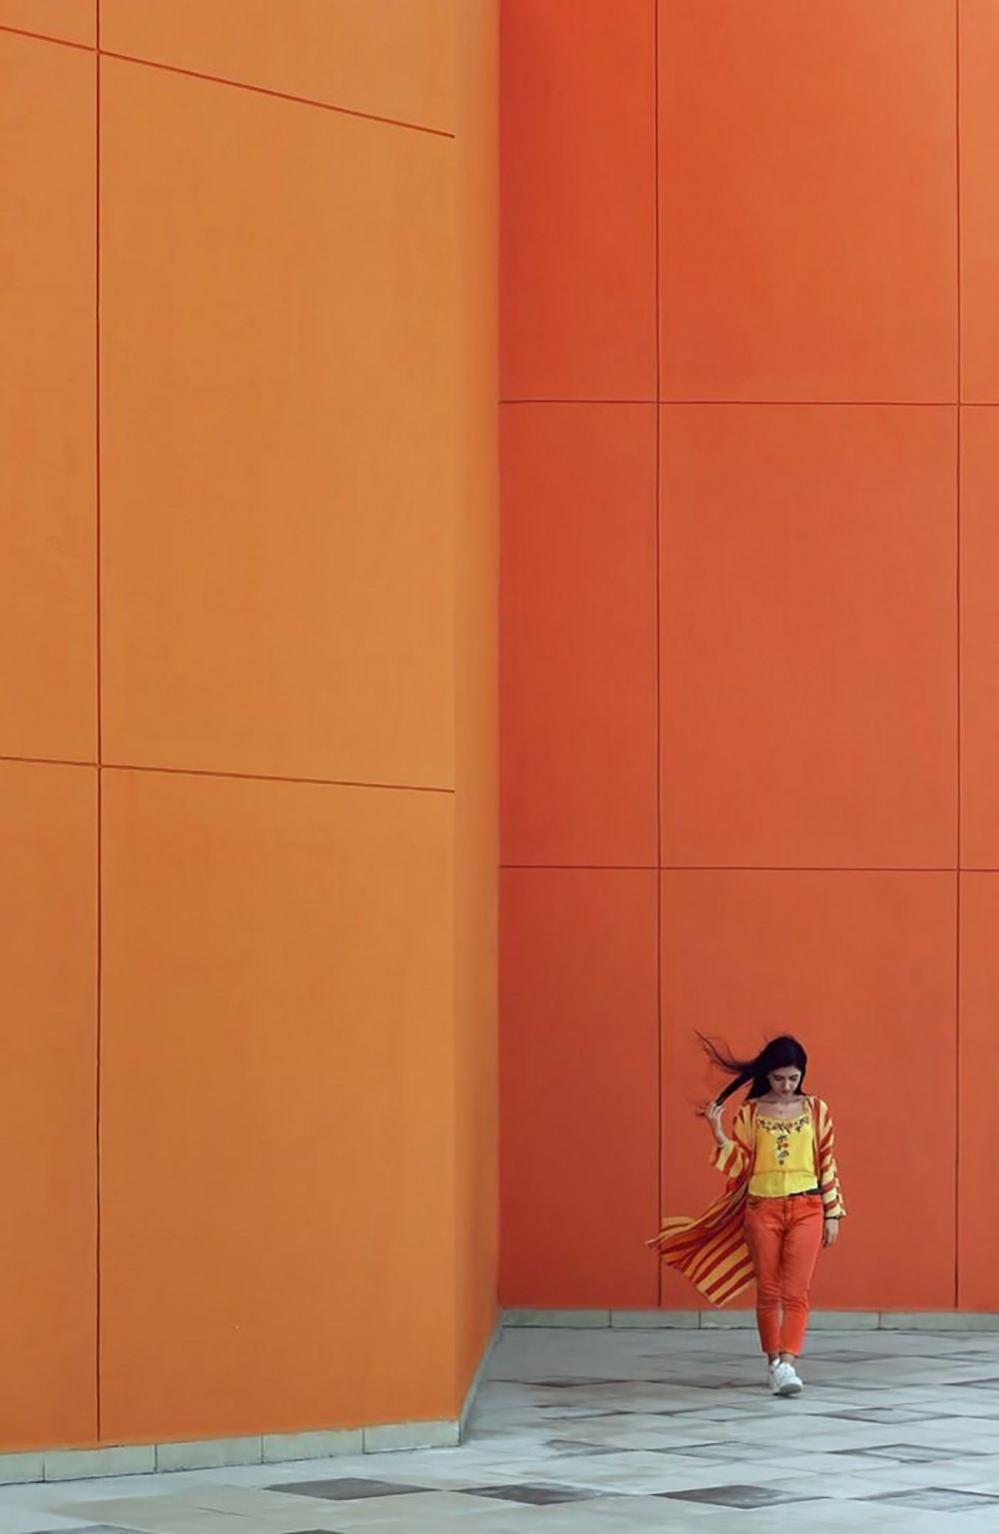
(782, 1130)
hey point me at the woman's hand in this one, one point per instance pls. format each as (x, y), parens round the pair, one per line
(713, 1113)
(830, 1232)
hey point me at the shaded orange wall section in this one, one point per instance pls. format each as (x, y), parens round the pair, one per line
(248, 716)
(749, 633)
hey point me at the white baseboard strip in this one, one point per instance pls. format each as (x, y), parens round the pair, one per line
(819, 1320)
(256, 1449)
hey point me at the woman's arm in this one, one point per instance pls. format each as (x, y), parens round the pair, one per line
(832, 1197)
(732, 1157)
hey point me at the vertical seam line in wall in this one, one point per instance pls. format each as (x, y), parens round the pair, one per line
(658, 573)
(100, 785)
(957, 861)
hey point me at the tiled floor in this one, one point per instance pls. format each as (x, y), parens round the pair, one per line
(589, 1432)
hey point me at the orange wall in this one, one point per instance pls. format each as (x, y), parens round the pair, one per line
(749, 716)
(476, 712)
(249, 780)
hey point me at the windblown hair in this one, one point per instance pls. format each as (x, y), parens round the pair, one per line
(777, 1054)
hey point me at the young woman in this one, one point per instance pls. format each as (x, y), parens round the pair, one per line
(781, 1202)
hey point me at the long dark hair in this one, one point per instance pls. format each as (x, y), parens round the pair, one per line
(775, 1055)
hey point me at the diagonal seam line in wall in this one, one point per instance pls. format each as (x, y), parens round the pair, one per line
(43, 37)
(47, 761)
(240, 85)
(207, 772)
(271, 777)
(263, 90)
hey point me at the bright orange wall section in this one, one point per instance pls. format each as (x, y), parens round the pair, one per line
(740, 747)
(249, 728)
(48, 812)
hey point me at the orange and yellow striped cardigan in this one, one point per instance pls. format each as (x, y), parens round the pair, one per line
(711, 1250)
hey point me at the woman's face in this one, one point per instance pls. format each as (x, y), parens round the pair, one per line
(785, 1082)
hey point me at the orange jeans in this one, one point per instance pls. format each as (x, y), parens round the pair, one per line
(784, 1236)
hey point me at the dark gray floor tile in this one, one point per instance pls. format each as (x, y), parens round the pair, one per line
(886, 1414)
(708, 1413)
(583, 1383)
(577, 1446)
(914, 1453)
(942, 1499)
(713, 1451)
(845, 1356)
(860, 1387)
(587, 1416)
(345, 1488)
(736, 1496)
(537, 1496)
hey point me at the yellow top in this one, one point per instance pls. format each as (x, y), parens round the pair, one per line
(785, 1156)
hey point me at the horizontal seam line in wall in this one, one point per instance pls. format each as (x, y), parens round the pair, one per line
(752, 868)
(804, 868)
(578, 402)
(896, 404)
(239, 85)
(205, 772)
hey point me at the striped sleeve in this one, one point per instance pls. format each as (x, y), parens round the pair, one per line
(832, 1197)
(734, 1158)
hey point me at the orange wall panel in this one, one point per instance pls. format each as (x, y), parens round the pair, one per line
(808, 636)
(47, 391)
(476, 713)
(73, 21)
(390, 58)
(978, 1249)
(278, 468)
(861, 967)
(578, 1087)
(808, 680)
(299, 580)
(577, 111)
(979, 638)
(979, 122)
(579, 634)
(808, 200)
(48, 1214)
(277, 1129)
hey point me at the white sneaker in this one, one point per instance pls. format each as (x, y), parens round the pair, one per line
(784, 1379)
